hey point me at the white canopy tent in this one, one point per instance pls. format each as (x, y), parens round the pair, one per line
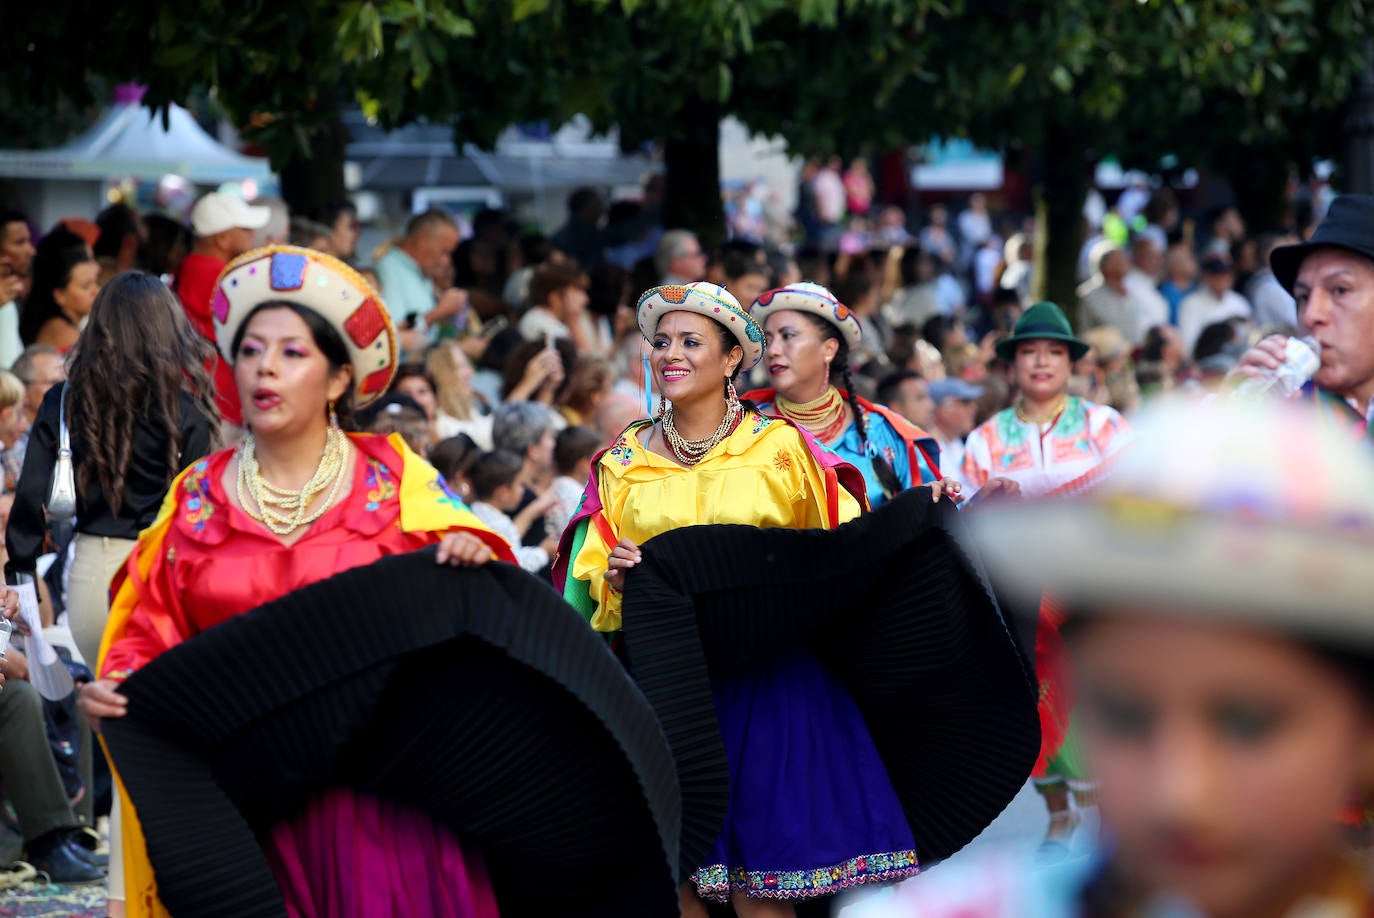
(128, 142)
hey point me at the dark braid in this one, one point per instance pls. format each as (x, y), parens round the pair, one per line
(887, 476)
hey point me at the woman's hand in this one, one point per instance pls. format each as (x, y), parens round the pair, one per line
(624, 556)
(945, 487)
(1263, 358)
(100, 700)
(462, 549)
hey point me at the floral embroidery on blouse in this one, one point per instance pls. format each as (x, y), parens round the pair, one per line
(196, 486)
(622, 452)
(381, 484)
(760, 422)
(782, 461)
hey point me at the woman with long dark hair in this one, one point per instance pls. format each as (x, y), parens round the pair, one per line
(138, 410)
(137, 404)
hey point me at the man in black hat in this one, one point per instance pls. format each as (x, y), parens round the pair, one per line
(1331, 276)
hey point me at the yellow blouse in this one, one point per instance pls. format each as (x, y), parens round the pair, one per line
(761, 475)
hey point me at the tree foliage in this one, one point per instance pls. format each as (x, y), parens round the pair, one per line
(1067, 80)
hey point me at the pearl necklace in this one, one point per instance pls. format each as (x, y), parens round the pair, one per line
(690, 452)
(282, 510)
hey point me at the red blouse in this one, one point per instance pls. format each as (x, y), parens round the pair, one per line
(217, 562)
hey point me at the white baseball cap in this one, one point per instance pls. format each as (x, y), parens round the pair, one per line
(217, 212)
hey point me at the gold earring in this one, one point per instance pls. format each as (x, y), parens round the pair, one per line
(333, 416)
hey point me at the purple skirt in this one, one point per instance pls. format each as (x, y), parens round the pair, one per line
(812, 810)
(350, 855)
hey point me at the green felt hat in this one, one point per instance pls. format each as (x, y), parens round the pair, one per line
(1041, 321)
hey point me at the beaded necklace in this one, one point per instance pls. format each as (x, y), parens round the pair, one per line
(283, 510)
(690, 452)
(824, 416)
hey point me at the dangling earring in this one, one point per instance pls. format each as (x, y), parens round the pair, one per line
(662, 408)
(731, 396)
(333, 416)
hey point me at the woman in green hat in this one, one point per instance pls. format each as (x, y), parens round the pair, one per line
(1047, 439)
(1046, 442)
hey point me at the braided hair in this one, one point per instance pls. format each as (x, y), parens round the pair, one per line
(839, 372)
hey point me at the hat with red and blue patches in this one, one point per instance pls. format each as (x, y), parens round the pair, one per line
(323, 284)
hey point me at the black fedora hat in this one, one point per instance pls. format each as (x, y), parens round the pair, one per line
(1349, 225)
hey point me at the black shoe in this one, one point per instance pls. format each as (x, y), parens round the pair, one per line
(56, 856)
(83, 841)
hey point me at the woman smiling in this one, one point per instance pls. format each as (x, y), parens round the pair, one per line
(812, 807)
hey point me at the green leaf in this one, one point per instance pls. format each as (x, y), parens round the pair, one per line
(1018, 73)
(523, 9)
(1061, 78)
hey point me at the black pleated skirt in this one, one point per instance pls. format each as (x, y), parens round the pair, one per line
(894, 604)
(476, 695)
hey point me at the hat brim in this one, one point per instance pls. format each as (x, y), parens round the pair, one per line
(829, 310)
(323, 284)
(1097, 557)
(660, 301)
(1006, 348)
(1286, 260)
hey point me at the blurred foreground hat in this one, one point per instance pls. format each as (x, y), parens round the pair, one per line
(1223, 525)
(1349, 225)
(1041, 321)
(323, 284)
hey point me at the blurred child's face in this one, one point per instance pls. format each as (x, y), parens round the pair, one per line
(1223, 757)
(582, 471)
(506, 498)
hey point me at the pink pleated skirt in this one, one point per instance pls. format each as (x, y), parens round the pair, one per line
(354, 856)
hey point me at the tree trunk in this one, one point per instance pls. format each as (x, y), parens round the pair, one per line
(1059, 196)
(309, 183)
(691, 197)
(1359, 131)
(1259, 180)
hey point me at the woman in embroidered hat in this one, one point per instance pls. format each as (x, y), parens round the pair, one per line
(1046, 442)
(1222, 647)
(803, 822)
(297, 502)
(810, 336)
